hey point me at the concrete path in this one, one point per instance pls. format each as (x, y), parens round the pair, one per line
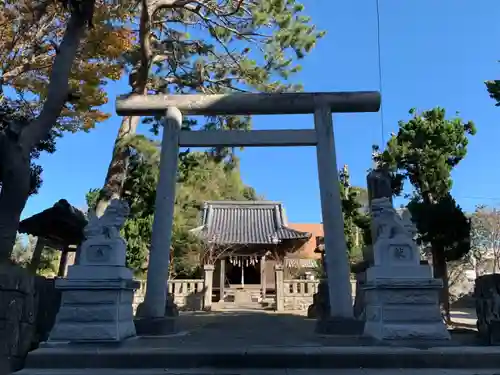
(251, 342)
(247, 328)
(243, 328)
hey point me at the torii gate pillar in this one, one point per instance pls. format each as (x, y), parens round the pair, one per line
(321, 105)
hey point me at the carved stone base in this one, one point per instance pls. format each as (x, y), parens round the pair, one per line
(404, 310)
(155, 326)
(94, 311)
(171, 309)
(147, 326)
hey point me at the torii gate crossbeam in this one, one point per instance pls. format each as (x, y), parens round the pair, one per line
(322, 105)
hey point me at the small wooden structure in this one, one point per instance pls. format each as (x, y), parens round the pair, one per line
(59, 227)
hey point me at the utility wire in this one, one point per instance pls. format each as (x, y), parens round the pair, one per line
(382, 134)
(477, 198)
(380, 84)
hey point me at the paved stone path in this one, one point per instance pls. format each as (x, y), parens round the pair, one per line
(257, 328)
(231, 336)
(244, 329)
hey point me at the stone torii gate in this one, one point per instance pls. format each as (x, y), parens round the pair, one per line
(322, 105)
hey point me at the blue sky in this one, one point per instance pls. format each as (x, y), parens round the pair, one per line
(434, 53)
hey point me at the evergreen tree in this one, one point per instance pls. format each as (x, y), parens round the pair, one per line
(356, 222)
(493, 88)
(210, 48)
(424, 152)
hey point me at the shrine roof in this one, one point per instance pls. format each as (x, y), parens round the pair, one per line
(61, 224)
(246, 222)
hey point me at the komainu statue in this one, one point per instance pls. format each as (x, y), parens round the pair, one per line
(110, 223)
(386, 221)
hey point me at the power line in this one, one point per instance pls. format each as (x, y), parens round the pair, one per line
(478, 198)
(475, 197)
(379, 49)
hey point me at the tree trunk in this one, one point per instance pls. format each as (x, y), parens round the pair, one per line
(477, 267)
(16, 146)
(440, 269)
(15, 177)
(439, 265)
(117, 170)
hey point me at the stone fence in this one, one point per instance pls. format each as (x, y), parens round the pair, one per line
(187, 294)
(195, 295)
(298, 294)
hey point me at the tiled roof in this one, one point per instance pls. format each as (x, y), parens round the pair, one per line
(246, 222)
(62, 224)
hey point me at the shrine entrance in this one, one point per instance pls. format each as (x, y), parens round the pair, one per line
(321, 105)
(243, 270)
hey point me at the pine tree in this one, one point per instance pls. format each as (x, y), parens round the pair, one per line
(424, 152)
(210, 48)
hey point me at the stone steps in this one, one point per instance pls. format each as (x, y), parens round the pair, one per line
(146, 359)
(240, 306)
(310, 371)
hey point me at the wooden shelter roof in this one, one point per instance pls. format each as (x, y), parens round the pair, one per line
(246, 223)
(60, 224)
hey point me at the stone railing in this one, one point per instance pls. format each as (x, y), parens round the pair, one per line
(298, 294)
(187, 294)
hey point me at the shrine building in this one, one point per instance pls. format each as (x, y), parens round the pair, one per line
(247, 239)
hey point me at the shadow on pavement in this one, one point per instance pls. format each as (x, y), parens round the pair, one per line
(236, 329)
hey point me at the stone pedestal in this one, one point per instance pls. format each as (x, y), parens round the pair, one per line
(401, 296)
(404, 310)
(97, 295)
(94, 310)
(165, 325)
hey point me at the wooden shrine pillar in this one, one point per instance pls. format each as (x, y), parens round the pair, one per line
(63, 262)
(222, 282)
(263, 281)
(37, 255)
